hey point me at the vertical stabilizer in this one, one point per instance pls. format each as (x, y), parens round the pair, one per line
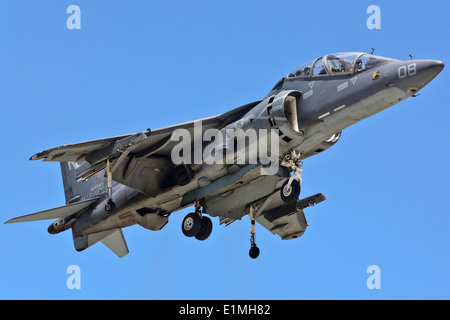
(74, 190)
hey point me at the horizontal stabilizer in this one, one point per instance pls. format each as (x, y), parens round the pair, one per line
(55, 213)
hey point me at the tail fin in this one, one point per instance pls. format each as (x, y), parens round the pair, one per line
(74, 190)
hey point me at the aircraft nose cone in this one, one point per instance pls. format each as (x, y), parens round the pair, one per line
(416, 74)
(429, 69)
(437, 66)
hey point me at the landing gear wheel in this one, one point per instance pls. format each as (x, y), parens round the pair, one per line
(110, 206)
(205, 230)
(191, 225)
(254, 252)
(289, 194)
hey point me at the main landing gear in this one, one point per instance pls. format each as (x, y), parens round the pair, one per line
(196, 225)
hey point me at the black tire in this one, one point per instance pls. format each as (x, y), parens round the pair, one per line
(205, 230)
(110, 206)
(191, 225)
(291, 194)
(254, 252)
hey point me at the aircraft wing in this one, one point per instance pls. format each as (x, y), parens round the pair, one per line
(286, 220)
(141, 144)
(140, 160)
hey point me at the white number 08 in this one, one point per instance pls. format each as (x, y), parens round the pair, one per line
(404, 71)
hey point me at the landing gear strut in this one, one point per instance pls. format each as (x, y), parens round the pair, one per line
(110, 205)
(255, 211)
(196, 225)
(291, 188)
(254, 250)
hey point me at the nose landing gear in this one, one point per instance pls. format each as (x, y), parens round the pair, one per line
(291, 188)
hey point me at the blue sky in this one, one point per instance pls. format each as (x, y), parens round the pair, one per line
(147, 64)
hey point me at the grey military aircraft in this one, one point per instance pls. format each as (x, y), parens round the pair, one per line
(113, 183)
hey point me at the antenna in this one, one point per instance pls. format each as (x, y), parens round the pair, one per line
(373, 50)
(411, 56)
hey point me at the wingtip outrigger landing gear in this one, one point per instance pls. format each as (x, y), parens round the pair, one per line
(110, 205)
(291, 188)
(254, 250)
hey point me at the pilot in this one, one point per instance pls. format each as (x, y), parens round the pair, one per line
(334, 68)
(359, 65)
(345, 67)
(307, 71)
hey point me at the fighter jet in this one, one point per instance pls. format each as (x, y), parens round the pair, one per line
(221, 165)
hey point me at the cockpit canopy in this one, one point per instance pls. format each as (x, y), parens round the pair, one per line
(344, 63)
